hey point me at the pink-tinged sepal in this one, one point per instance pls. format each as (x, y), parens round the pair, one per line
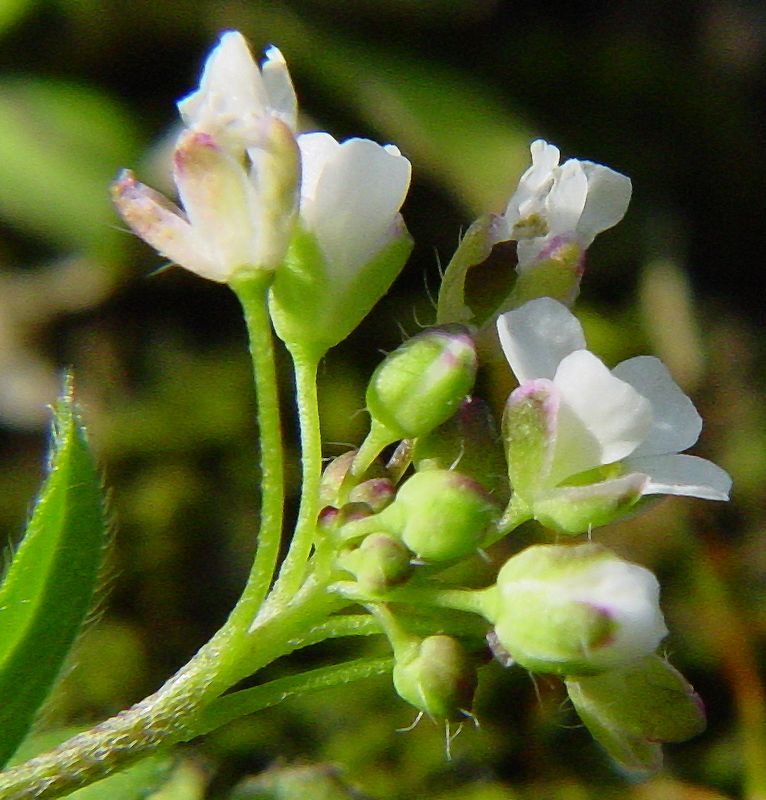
(529, 427)
(161, 224)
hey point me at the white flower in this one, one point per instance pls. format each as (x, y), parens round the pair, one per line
(634, 417)
(349, 245)
(236, 168)
(236, 99)
(351, 193)
(572, 202)
(234, 220)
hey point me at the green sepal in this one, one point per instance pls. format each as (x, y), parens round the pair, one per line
(313, 309)
(474, 249)
(557, 276)
(421, 384)
(529, 436)
(437, 677)
(630, 711)
(49, 587)
(578, 509)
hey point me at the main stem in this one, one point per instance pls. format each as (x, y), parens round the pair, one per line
(158, 720)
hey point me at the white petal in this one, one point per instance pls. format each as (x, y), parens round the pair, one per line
(683, 475)
(608, 197)
(279, 88)
(230, 90)
(317, 149)
(356, 200)
(566, 200)
(602, 419)
(537, 336)
(545, 158)
(677, 424)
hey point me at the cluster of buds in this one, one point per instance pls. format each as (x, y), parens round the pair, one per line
(579, 446)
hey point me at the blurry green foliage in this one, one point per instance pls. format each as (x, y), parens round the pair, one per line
(669, 93)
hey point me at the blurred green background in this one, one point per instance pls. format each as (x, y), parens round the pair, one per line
(672, 94)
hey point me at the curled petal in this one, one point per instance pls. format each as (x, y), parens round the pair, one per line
(690, 476)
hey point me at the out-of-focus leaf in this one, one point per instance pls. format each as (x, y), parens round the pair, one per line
(448, 124)
(49, 586)
(318, 782)
(60, 146)
(11, 11)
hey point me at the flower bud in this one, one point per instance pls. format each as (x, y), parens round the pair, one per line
(631, 711)
(335, 473)
(437, 677)
(421, 384)
(576, 610)
(379, 563)
(439, 514)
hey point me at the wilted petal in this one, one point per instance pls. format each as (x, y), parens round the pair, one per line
(162, 225)
(602, 418)
(682, 475)
(356, 199)
(608, 198)
(677, 424)
(537, 336)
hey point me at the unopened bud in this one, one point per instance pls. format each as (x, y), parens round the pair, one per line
(576, 610)
(421, 384)
(437, 677)
(439, 514)
(378, 564)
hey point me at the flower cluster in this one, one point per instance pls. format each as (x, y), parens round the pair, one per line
(580, 445)
(256, 196)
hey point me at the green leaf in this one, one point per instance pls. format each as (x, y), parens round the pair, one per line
(60, 146)
(49, 586)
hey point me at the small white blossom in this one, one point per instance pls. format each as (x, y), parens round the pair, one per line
(571, 202)
(351, 193)
(634, 417)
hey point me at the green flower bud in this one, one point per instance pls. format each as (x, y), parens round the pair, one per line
(631, 711)
(439, 514)
(377, 493)
(437, 677)
(575, 610)
(421, 384)
(334, 474)
(379, 563)
(469, 439)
